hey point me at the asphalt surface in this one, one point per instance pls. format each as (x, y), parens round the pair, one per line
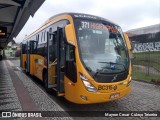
(143, 97)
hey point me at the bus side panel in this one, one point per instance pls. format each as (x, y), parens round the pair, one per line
(70, 90)
(32, 64)
(52, 73)
(39, 65)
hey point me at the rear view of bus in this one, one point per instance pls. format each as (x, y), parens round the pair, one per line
(102, 61)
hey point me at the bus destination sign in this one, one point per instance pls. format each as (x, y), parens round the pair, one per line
(100, 26)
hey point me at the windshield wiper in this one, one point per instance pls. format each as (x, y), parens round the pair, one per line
(96, 73)
(110, 68)
(114, 63)
(99, 71)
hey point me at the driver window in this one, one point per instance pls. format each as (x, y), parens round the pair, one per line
(69, 53)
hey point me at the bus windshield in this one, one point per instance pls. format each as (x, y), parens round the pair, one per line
(102, 47)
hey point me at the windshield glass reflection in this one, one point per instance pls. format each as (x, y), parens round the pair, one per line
(102, 48)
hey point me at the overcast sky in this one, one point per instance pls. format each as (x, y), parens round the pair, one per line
(128, 14)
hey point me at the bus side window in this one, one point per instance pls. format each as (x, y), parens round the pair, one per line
(70, 53)
(37, 38)
(27, 48)
(42, 37)
(35, 46)
(50, 30)
(23, 48)
(70, 67)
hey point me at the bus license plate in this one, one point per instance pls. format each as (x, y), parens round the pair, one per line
(114, 95)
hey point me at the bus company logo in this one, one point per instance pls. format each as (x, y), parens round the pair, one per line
(114, 78)
(6, 114)
(84, 16)
(112, 66)
(115, 87)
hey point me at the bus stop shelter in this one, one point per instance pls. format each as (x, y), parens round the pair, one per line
(13, 16)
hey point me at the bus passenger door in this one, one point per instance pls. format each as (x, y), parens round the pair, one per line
(27, 63)
(22, 52)
(56, 61)
(50, 81)
(33, 51)
(61, 58)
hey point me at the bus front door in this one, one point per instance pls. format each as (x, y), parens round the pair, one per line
(56, 61)
(27, 63)
(22, 51)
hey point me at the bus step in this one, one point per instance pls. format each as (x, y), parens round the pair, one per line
(54, 76)
(52, 64)
(61, 94)
(52, 86)
(61, 81)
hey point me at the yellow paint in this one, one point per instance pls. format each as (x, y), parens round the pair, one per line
(70, 34)
(23, 61)
(52, 74)
(128, 45)
(39, 66)
(32, 64)
(127, 41)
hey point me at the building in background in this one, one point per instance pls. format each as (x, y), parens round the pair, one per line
(145, 39)
(11, 49)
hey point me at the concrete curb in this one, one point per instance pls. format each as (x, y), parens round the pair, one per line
(144, 81)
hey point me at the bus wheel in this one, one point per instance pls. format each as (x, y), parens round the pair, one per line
(45, 82)
(26, 68)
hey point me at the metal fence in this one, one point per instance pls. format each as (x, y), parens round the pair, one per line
(146, 57)
(146, 65)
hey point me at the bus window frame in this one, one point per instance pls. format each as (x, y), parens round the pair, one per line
(23, 48)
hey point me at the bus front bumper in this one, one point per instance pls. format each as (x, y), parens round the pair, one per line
(97, 97)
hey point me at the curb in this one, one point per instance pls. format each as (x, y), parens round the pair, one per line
(146, 82)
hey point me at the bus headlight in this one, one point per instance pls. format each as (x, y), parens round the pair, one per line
(87, 84)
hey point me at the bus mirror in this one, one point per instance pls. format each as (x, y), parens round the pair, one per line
(70, 34)
(127, 41)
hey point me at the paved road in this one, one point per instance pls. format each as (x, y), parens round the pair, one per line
(143, 97)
